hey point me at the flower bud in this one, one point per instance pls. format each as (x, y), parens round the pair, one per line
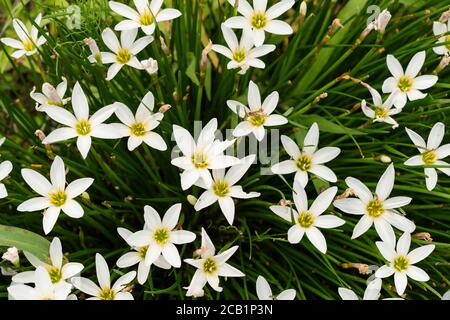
(12, 255)
(150, 65)
(191, 199)
(94, 49)
(303, 9)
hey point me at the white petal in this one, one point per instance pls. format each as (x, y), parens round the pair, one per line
(284, 167)
(396, 202)
(152, 218)
(167, 14)
(73, 209)
(275, 120)
(415, 64)
(403, 244)
(401, 281)
(417, 140)
(430, 178)
(323, 201)
(225, 270)
(34, 204)
(420, 253)
(415, 161)
(387, 250)
(56, 253)
(300, 198)
(384, 230)
(283, 212)
(83, 145)
(417, 274)
(102, 270)
(254, 97)
(386, 183)
(182, 237)
(85, 285)
(350, 205)
(295, 234)
(362, 226)
(311, 139)
(400, 222)
(58, 173)
(288, 294)
(278, 27)
(436, 136)
(50, 217)
(77, 187)
(80, 103)
(263, 290)
(424, 82)
(128, 259)
(347, 294)
(384, 272)
(328, 221)
(323, 172)
(123, 281)
(325, 155)
(394, 66)
(317, 239)
(227, 206)
(60, 134)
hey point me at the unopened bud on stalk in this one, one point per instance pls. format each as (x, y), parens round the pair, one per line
(176, 96)
(382, 21)
(191, 199)
(284, 202)
(85, 197)
(150, 65)
(384, 158)
(445, 61)
(361, 267)
(164, 108)
(204, 61)
(94, 49)
(422, 236)
(40, 134)
(12, 255)
(445, 16)
(303, 9)
(164, 47)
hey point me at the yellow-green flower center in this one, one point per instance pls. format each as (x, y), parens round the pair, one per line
(429, 157)
(209, 266)
(239, 55)
(55, 103)
(146, 18)
(55, 274)
(447, 45)
(161, 236)
(58, 198)
(107, 294)
(259, 20)
(123, 56)
(199, 160)
(303, 162)
(221, 188)
(401, 263)
(375, 208)
(257, 120)
(142, 251)
(305, 219)
(405, 83)
(381, 112)
(28, 45)
(138, 129)
(83, 127)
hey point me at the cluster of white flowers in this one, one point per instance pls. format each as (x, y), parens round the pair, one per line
(204, 163)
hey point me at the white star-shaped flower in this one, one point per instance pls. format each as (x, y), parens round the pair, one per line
(80, 124)
(242, 53)
(139, 127)
(440, 28)
(5, 169)
(309, 220)
(201, 155)
(401, 261)
(376, 208)
(258, 115)
(224, 189)
(160, 236)
(59, 272)
(54, 195)
(407, 84)
(29, 41)
(210, 267)
(383, 111)
(137, 256)
(50, 95)
(259, 19)
(431, 153)
(123, 52)
(145, 17)
(105, 291)
(309, 159)
(372, 292)
(264, 292)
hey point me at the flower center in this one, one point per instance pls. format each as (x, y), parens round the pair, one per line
(57, 103)
(221, 188)
(259, 20)
(401, 263)
(107, 294)
(28, 45)
(83, 127)
(305, 219)
(58, 198)
(375, 208)
(55, 274)
(405, 83)
(142, 251)
(138, 129)
(239, 55)
(123, 56)
(429, 157)
(303, 162)
(161, 236)
(146, 18)
(381, 112)
(257, 120)
(209, 266)
(200, 160)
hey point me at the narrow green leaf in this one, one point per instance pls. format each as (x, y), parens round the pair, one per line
(24, 240)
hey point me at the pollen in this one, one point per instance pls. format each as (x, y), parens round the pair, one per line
(303, 162)
(146, 18)
(83, 128)
(429, 157)
(123, 56)
(239, 55)
(209, 266)
(259, 20)
(405, 83)
(381, 112)
(305, 219)
(375, 208)
(28, 45)
(55, 274)
(401, 263)
(257, 120)
(199, 160)
(107, 294)
(161, 236)
(221, 188)
(138, 129)
(58, 198)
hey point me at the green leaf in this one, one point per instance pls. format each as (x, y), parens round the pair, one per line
(24, 240)
(190, 71)
(326, 125)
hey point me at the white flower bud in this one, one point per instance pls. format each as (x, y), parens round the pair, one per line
(303, 8)
(385, 159)
(191, 199)
(150, 65)
(382, 20)
(12, 255)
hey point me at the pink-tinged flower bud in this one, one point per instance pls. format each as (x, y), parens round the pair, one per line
(150, 65)
(94, 49)
(12, 255)
(382, 20)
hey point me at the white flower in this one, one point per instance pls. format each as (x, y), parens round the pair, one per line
(210, 267)
(259, 19)
(43, 290)
(201, 155)
(258, 116)
(224, 189)
(123, 52)
(431, 153)
(242, 54)
(382, 112)
(372, 291)
(150, 65)
(137, 256)
(58, 271)
(50, 95)
(376, 209)
(12, 255)
(160, 236)
(401, 261)
(28, 41)
(54, 195)
(309, 159)
(80, 124)
(264, 292)
(309, 220)
(381, 21)
(440, 28)
(145, 17)
(104, 291)
(406, 84)
(5, 169)
(139, 128)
